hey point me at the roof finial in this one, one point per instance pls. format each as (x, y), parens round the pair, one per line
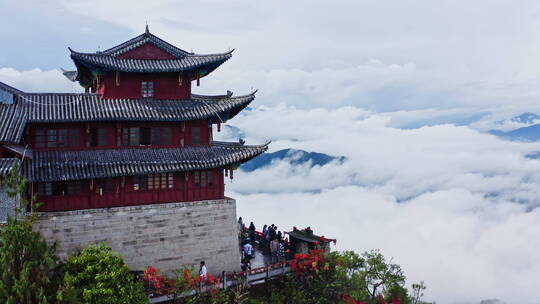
(147, 30)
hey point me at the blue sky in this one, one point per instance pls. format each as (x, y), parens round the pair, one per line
(36, 34)
(404, 89)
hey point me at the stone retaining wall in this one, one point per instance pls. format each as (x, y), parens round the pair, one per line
(7, 206)
(166, 236)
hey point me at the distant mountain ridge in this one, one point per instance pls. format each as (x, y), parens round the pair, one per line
(526, 118)
(530, 133)
(293, 156)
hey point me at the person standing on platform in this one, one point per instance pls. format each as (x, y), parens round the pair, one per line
(262, 245)
(274, 246)
(252, 232)
(281, 250)
(240, 224)
(265, 230)
(202, 270)
(248, 251)
(272, 232)
(245, 264)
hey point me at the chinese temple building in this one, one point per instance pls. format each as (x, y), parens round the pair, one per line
(132, 161)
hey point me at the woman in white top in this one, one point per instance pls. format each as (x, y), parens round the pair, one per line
(202, 270)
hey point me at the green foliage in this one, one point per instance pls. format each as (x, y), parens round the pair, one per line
(367, 278)
(377, 276)
(99, 275)
(13, 183)
(29, 272)
(27, 265)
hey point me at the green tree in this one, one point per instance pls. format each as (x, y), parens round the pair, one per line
(29, 272)
(382, 277)
(371, 276)
(99, 275)
(325, 278)
(27, 265)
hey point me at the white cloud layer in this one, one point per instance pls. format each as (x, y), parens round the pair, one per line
(455, 207)
(379, 55)
(37, 80)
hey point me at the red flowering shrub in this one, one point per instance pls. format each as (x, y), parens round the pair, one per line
(313, 262)
(346, 298)
(184, 280)
(160, 284)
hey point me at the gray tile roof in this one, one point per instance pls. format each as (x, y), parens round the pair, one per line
(9, 89)
(184, 61)
(71, 75)
(12, 122)
(91, 107)
(6, 164)
(72, 165)
(60, 107)
(187, 63)
(143, 38)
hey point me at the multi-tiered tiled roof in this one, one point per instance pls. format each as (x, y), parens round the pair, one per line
(72, 165)
(185, 63)
(60, 107)
(29, 108)
(111, 60)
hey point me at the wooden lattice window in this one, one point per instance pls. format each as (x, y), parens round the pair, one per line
(160, 181)
(44, 189)
(57, 138)
(147, 89)
(131, 136)
(161, 136)
(99, 137)
(62, 188)
(203, 179)
(136, 136)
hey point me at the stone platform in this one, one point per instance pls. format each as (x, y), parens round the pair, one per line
(166, 236)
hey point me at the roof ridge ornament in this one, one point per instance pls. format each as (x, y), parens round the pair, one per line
(147, 31)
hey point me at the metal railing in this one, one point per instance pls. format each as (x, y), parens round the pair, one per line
(249, 277)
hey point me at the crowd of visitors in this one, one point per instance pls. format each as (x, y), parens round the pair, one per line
(270, 240)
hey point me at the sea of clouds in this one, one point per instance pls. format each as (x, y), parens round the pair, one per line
(455, 207)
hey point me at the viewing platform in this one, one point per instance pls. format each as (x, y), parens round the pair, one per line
(264, 265)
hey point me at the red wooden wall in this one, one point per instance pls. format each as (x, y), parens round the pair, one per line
(124, 194)
(146, 51)
(181, 133)
(166, 85)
